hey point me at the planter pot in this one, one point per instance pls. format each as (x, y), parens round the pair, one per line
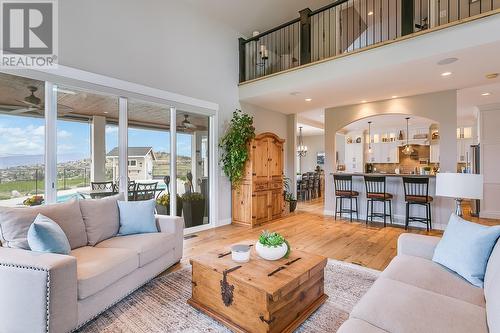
(293, 205)
(193, 212)
(271, 253)
(165, 210)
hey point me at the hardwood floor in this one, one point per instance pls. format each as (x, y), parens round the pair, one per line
(309, 230)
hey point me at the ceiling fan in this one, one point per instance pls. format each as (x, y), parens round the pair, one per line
(186, 125)
(32, 103)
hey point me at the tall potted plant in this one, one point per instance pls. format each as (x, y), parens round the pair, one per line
(163, 205)
(288, 194)
(193, 207)
(235, 146)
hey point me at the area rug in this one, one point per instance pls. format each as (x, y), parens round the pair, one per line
(160, 305)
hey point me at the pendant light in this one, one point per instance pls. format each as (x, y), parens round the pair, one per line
(369, 137)
(408, 150)
(301, 149)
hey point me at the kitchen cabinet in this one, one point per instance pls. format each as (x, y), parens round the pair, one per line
(354, 160)
(384, 152)
(434, 150)
(259, 197)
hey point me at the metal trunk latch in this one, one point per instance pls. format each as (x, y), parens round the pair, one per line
(226, 289)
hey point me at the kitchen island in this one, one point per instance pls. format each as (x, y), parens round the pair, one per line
(394, 186)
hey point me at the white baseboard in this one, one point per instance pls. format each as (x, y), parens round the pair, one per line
(223, 222)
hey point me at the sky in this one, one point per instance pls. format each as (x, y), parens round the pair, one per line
(25, 136)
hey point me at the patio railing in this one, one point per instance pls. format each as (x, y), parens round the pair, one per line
(345, 26)
(30, 181)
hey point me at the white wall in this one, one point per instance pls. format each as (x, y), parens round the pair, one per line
(440, 107)
(489, 119)
(167, 45)
(315, 144)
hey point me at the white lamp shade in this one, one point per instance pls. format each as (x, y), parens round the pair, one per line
(459, 185)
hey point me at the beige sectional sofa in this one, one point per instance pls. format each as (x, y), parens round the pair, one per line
(44, 292)
(415, 294)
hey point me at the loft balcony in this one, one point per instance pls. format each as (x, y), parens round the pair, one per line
(350, 26)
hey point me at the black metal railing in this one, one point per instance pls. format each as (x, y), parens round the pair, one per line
(345, 26)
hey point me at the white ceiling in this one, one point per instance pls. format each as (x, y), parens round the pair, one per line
(401, 69)
(470, 98)
(308, 130)
(246, 16)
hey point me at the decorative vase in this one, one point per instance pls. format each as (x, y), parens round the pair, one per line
(269, 252)
(293, 205)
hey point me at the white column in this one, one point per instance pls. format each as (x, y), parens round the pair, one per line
(173, 160)
(123, 146)
(291, 152)
(98, 157)
(50, 143)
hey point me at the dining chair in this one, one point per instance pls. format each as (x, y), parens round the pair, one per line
(145, 191)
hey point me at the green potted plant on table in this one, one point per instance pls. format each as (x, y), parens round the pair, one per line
(235, 146)
(288, 194)
(193, 207)
(163, 204)
(272, 246)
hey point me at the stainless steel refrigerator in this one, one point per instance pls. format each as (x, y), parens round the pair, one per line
(475, 152)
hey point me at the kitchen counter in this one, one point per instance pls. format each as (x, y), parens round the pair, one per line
(360, 174)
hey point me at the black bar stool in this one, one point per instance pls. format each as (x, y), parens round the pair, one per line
(417, 193)
(343, 190)
(375, 191)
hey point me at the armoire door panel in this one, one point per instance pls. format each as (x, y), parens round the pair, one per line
(260, 160)
(276, 203)
(260, 207)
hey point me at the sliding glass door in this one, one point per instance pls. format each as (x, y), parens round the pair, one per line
(88, 143)
(22, 141)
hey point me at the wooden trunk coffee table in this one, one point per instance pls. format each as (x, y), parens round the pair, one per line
(258, 296)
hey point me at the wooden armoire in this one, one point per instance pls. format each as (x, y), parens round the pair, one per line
(259, 198)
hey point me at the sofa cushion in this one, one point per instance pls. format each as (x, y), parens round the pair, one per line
(137, 217)
(101, 218)
(15, 222)
(466, 247)
(98, 268)
(398, 307)
(354, 325)
(44, 235)
(148, 247)
(492, 289)
(431, 276)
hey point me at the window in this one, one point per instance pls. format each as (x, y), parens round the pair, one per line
(132, 163)
(22, 141)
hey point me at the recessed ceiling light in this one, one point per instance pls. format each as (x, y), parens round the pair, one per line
(363, 101)
(492, 76)
(105, 112)
(370, 13)
(394, 96)
(446, 74)
(447, 61)
(485, 94)
(308, 99)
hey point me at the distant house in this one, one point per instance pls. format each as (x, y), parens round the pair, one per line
(140, 162)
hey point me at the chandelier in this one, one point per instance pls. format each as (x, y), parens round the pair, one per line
(301, 149)
(408, 150)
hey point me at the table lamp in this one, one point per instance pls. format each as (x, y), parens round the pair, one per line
(459, 186)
